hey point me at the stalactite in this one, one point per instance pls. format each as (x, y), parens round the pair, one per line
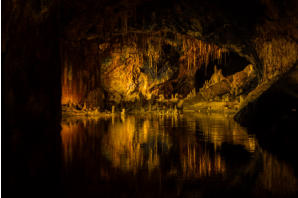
(128, 52)
(188, 62)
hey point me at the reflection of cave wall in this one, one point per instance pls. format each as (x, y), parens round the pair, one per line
(143, 145)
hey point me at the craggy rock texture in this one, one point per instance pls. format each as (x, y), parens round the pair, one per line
(277, 105)
(140, 53)
(146, 48)
(133, 67)
(157, 47)
(235, 85)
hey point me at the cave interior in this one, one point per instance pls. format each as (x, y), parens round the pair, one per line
(119, 57)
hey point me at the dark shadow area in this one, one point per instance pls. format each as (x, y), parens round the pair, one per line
(273, 118)
(31, 93)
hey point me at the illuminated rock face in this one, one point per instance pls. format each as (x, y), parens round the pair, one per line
(143, 50)
(234, 85)
(266, 38)
(80, 78)
(134, 67)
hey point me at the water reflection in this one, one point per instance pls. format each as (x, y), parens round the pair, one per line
(131, 144)
(219, 129)
(189, 147)
(276, 176)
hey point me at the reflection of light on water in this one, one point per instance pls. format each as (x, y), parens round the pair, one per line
(187, 147)
(131, 145)
(74, 134)
(277, 176)
(218, 129)
(136, 143)
(197, 163)
(68, 134)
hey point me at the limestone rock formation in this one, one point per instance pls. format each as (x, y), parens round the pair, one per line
(236, 84)
(146, 50)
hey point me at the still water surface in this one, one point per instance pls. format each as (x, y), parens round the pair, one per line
(190, 155)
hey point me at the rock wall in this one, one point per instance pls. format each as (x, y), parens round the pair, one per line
(132, 67)
(81, 74)
(264, 33)
(88, 33)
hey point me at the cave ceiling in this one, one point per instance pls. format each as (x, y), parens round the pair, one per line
(234, 24)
